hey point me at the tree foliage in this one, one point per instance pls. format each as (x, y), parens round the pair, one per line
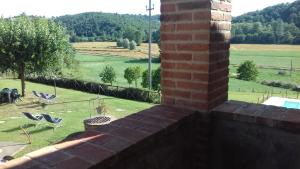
(33, 45)
(279, 24)
(132, 45)
(120, 42)
(247, 71)
(126, 43)
(108, 74)
(132, 74)
(155, 79)
(97, 26)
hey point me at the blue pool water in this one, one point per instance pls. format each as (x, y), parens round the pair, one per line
(292, 105)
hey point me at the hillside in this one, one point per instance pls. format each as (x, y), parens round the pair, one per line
(97, 26)
(279, 24)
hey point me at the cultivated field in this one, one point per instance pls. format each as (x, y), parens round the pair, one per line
(110, 49)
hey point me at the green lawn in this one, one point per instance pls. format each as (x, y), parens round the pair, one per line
(71, 106)
(91, 66)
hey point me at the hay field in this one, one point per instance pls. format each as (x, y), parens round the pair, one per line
(109, 48)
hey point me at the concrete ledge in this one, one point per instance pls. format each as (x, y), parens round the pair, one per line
(271, 116)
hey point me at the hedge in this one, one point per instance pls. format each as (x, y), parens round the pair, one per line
(103, 89)
(281, 84)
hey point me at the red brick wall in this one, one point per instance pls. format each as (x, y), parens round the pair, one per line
(195, 52)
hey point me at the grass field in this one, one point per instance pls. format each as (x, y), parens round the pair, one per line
(72, 106)
(94, 56)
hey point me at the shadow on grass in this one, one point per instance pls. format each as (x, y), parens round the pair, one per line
(70, 137)
(18, 128)
(154, 60)
(41, 130)
(78, 101)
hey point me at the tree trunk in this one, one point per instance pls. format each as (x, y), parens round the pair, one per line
(22, 77)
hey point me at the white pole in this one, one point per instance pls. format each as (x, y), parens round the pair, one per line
(150, 41)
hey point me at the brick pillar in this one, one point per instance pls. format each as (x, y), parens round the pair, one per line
(195, 52)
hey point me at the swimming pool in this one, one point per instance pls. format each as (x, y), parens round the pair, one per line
(283, 102)
(291, 105)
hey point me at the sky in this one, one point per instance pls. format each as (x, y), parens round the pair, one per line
(50, 8)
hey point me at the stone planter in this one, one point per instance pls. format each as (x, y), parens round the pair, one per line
(96, 122)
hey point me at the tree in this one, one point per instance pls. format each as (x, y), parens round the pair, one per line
(126, 43)
(132, 45)
(33, 45)
(247, 71)
(120, 42)
(108, 75)
(132, 74)
(138, 37)
(155, 79)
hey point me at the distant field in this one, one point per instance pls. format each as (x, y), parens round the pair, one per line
(92, 60)
(109, 48)
(267, 55)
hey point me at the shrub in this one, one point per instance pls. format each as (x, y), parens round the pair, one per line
(126, 43)
(247, 71)
(155, 79)
(132, 74)
(282, 72)
(120, 42)
(280, 84)
(103, 89)
(132, 45)
(108, 75)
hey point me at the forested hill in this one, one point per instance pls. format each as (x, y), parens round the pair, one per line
(279, 24)
(97, 26)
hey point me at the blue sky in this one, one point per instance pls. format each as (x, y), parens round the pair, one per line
(50, 8)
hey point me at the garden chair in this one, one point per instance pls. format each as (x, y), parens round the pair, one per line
(55, 121)
(35, 93)
(35, 118)
(49, 98)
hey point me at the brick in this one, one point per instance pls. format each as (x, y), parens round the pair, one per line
(113, 144)
(174, 37)
(176, 56)
(192, 47)
(193, 5)
(167, 27)
(202, 15)
(73, 163)
(168, 83)
(192, 86)
(89, 153)
(176, 93)
(176, 17)
(176, 75)
(129, 134)
(168, 8)
(192, 26)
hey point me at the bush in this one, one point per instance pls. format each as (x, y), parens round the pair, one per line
(132, 45)
(126, 43)
(108, 75)
(282, 72)
(132, 74)
(280, 84)
(247, 71)
(120, 43)
(103, 89)
(155, 79)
